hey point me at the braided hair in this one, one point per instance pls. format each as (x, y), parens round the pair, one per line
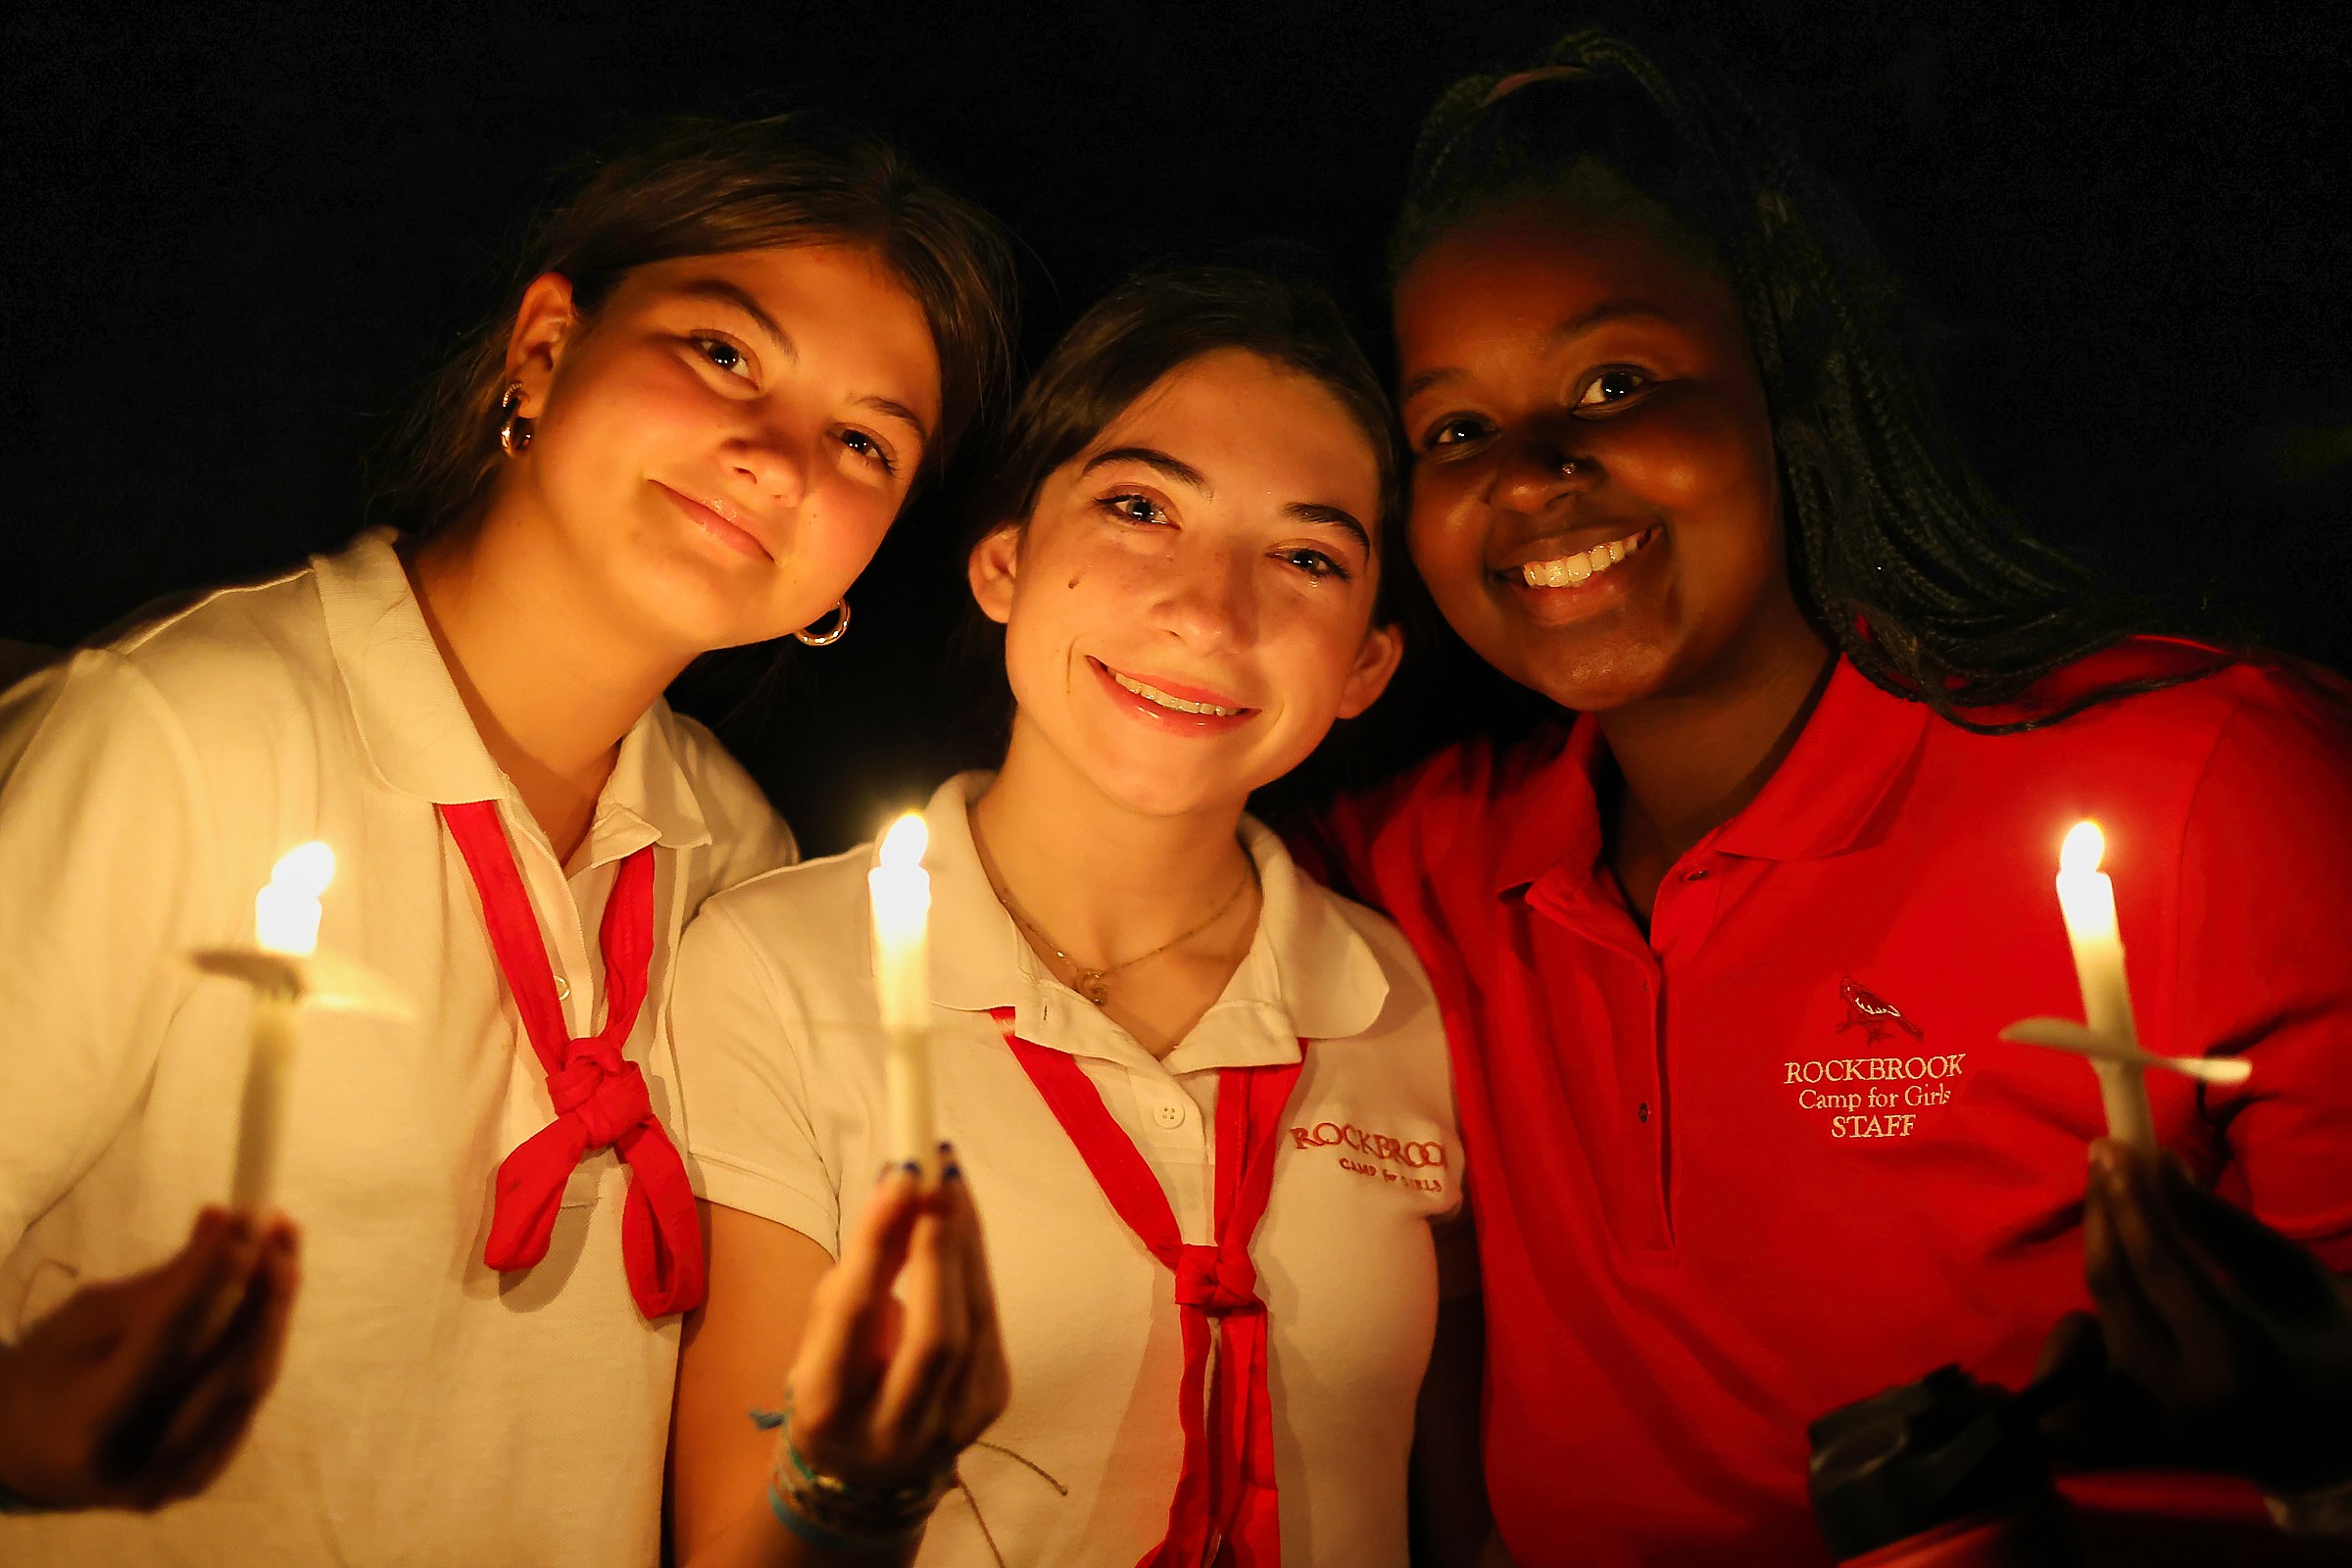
(1898, 553)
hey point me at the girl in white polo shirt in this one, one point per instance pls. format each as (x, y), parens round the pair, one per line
(1201, 1101)
(739, 349)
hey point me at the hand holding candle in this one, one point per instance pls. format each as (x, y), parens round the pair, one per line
(900, 891)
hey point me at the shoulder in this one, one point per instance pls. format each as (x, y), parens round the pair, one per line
(813, 914)
(240, 671)
(748, 835)
(1450, 812)
(2229, 708)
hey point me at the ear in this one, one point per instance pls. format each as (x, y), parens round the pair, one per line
(993, 570)
(1376, 661)
(544, 323)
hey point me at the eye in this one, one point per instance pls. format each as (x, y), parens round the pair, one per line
(1453, 431)
(1315, 563)
(868, 447)
(1612, 386)
(722, 353)
(1135, 509)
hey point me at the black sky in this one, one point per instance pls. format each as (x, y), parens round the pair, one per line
(233, 235)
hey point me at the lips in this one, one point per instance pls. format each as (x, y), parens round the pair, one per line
(728, 524)
(1172, 703)
(1556, 585)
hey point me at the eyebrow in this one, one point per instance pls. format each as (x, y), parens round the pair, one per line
(1175, 468)
(1331, 518)
(726, 293)
(1573, 327)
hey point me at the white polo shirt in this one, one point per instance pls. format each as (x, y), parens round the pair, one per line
(780, 1063)
(431, 1410)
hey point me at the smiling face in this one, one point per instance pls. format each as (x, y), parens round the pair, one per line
(1189, 606)
(1596, 501)
(719, 451)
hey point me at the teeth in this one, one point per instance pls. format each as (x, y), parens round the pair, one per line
(1571, 571)
(1152, 694)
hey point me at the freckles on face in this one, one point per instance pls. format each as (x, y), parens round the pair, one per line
(729, 437)
(1195, 588)
(1595, 496)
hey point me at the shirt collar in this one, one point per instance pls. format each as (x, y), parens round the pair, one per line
(1821, 801)
(422, 741)
(1309, 971)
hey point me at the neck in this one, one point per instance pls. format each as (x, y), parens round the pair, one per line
(1105, 881)
(1689, 761)
(551, 685)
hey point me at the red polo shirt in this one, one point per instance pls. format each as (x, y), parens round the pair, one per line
(1770, 1157)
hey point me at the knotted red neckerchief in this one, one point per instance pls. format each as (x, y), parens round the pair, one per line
(600, 1095)
(1224, 1512)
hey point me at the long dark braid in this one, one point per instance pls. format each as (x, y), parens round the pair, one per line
(1899, 553)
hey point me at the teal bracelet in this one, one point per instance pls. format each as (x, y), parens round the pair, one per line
(817, 1535)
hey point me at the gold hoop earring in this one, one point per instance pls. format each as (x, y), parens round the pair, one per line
(514, 432)
(826, 639)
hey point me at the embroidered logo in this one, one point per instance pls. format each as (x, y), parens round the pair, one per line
(1875, 1096)
(1877, 1019)
(1421, 1160)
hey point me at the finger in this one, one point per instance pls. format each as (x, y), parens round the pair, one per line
(220, 1405)
(180, 1322)
(2176, 1285)
(2256, 1266)
(979, 1394)
(2139, 1340)
(853, 1304)
(931, 1343)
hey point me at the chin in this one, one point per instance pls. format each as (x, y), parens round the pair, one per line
(1598, 679)
(1161, 786)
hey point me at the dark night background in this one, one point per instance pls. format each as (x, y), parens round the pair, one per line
(233, 236)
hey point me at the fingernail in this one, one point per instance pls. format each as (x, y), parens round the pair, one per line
(951, 1172)
(912, 1167)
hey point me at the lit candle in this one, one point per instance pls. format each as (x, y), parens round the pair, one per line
(900, 891)
(285, 918)
(2087, 898)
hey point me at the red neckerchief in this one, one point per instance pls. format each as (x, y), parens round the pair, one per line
(600, 1095)
(1224, 1512)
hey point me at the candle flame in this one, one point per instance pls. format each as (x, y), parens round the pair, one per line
(904, 845)
(2083, 850)
(305, 871)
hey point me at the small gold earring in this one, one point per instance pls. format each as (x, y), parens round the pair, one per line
(826, 639)
(514, 432)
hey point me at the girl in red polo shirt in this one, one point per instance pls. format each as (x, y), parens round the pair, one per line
(1725, 951)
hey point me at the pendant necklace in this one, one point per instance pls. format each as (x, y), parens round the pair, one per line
(1095, 984)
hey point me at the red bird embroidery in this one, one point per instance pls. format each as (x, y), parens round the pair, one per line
(1876, 1019)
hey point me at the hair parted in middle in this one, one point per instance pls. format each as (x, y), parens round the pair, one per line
(1898, 552)
(1147, 328)
(1154, 324)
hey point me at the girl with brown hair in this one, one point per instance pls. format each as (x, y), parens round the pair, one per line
(732, 358)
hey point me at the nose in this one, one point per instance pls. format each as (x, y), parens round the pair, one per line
(774, 457)
(1206, 595)
(1541, 467)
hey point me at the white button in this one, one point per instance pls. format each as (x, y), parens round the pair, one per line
(562, 988)
(1170, 1113)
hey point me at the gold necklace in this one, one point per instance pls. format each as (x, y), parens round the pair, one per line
(1095, 984)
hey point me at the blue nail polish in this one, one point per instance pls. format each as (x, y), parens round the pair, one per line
(950, 1172)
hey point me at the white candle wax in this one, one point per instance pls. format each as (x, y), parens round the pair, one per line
(901, 893)
(2087, 898)
(285, 919)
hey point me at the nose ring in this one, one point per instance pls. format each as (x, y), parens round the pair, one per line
(1569, 465)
